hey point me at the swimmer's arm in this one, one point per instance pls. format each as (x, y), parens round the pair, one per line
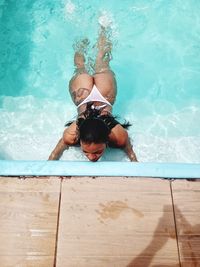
(58, 150)
(69, 139)
(119, 137)
(129, 150)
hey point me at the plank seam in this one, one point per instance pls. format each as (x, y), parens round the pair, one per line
(175, 224)
(58, 222)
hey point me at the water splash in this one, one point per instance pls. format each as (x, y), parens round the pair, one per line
(70, 8)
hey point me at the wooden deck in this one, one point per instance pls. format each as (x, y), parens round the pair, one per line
(101, 222)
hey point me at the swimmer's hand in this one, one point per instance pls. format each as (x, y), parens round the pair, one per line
(58, 150)
(129, 151)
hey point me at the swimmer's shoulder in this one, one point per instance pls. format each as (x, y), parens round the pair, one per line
(70, 136)
(118, 136)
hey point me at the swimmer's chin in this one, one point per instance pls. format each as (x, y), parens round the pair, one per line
(93, 160)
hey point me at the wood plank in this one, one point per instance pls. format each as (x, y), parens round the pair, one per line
(26, 261)
(28, 221)
(186, 195)
(116, 222)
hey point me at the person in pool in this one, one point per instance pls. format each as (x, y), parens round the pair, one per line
(95, 127)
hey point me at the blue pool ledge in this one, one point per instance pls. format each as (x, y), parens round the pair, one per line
(71, 168)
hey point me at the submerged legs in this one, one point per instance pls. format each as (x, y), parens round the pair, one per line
(103, 57)
(81, 83)
(104, 77)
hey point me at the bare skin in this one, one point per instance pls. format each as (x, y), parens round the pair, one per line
(93, 151)
(80, 87)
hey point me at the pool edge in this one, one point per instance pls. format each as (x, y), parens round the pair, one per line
(78, 168)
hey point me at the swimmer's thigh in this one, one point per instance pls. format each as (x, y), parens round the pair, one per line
(80, 87)
(106, 83)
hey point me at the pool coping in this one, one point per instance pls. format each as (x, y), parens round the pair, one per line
(110, 168)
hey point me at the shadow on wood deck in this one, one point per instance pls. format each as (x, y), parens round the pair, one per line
(101, 222)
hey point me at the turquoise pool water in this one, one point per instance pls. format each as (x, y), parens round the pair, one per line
(156, 58)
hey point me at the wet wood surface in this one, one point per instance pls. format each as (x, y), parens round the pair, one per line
(112, 221)
(186, 195)
(28, 221)
(116, 222)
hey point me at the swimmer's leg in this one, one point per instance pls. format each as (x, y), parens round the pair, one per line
(104, 55)
(81, 83)
(80, 49)
(104, 77)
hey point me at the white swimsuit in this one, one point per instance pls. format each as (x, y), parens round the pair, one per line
(95, 96)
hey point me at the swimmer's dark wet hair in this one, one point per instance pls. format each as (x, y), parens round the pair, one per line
(94, 127)
(93, 130)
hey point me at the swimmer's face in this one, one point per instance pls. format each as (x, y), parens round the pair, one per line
(93, 151)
